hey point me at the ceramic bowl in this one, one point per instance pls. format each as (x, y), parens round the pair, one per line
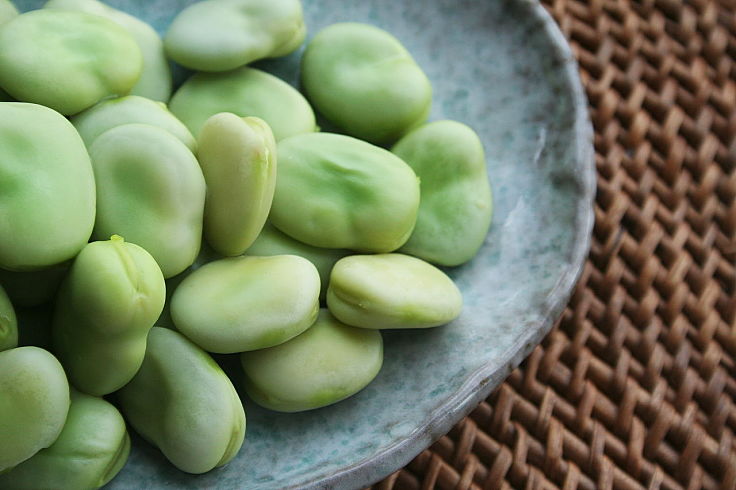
(502, 67)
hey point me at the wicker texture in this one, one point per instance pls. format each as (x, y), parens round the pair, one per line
(636, 386)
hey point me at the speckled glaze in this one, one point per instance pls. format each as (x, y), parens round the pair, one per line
(502, 67)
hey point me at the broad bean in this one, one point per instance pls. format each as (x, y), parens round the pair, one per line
(244, 92)
(335, 191)
(7, 11)
(182, 402)
(391, 291)
(92, 448)
(155, 80)
(219, 35)
(47, 188)
(150, 190)
(456, 207)
(364, 81)
(245, 303)
(238, 160)
(111, 113)
(106, 305)
(327, 363)
(65, 60)
(34, 402)
(8, 323)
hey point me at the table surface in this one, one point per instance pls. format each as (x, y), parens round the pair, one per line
(636, 386)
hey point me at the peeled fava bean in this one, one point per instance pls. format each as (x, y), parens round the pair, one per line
(335, 191)
(34, 402)
(245, 303)
(365, 82)
(182, 402)
(273, 242)
(7, 11)
(456, 207)
(219, 35)
(238, 160)
(155, 80)
(327, 363)
(244, 92)
(391, 291)
(8, 323)
(150, 190)
(65, 60)
(47, 188)
(108, 302)
(131, 109)
(91, 449)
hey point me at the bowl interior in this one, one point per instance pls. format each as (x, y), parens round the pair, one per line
(500, 67)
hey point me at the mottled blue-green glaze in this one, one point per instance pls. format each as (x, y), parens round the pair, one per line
(502, 67)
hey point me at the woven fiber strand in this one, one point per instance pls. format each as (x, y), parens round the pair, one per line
(636, 386)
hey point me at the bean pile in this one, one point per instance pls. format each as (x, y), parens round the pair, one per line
(158, 228)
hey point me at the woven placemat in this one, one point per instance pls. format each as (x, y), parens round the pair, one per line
(636, 386)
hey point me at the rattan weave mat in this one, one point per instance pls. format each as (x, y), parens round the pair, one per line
(636, 386)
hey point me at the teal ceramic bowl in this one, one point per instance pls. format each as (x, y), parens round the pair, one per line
(502, 67)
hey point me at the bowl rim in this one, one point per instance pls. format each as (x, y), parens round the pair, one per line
(480, 383)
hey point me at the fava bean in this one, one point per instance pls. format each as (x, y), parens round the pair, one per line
(106, 305)
(244, 92)
(47, 188)
(155, 79)
(150, 190)
(456, 206)
(246, 303)
(131, 109)
(327, 363)
(182, 402)
(363, 80)
(391, 291)
(8, 323)
(7, 11)
(34, 402)
(273, 242)
(67, 61)
(238, 160)
(91, 449)
(335, 191)
(219, 35)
